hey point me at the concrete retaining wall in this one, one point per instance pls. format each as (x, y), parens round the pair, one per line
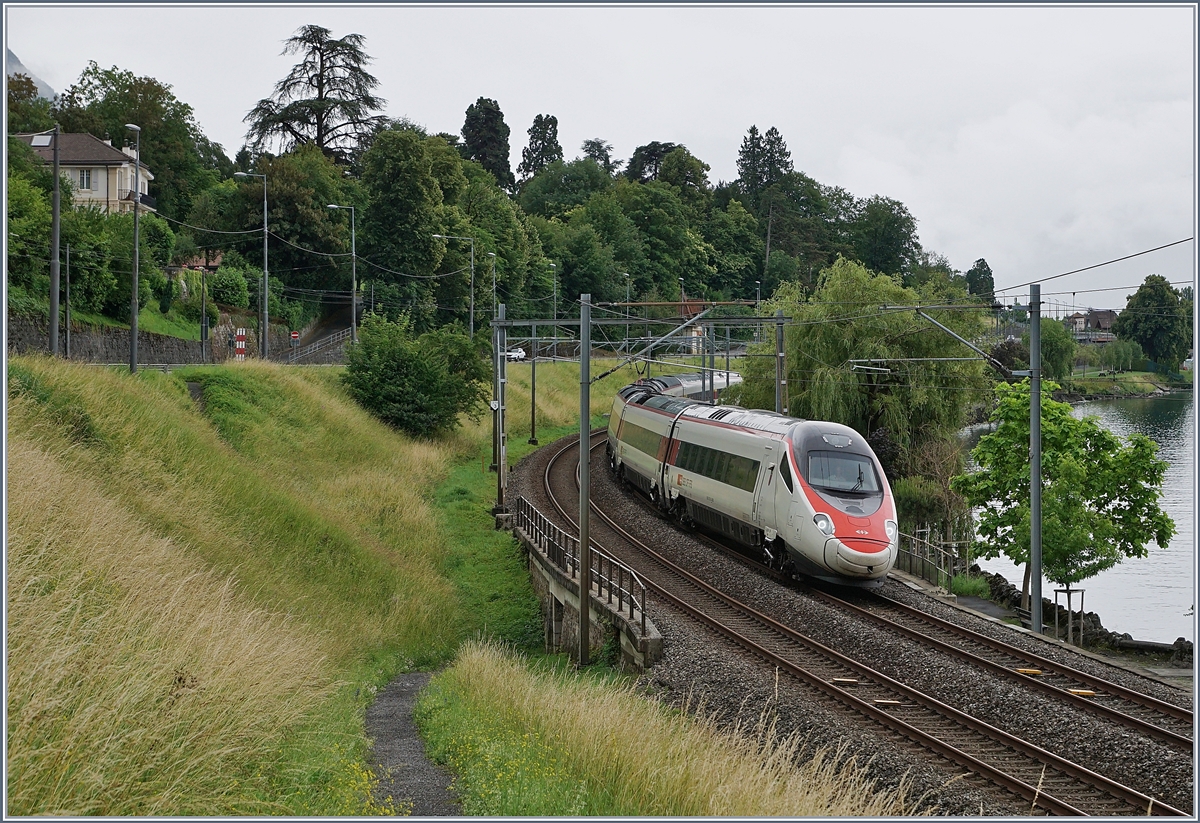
(560, 610)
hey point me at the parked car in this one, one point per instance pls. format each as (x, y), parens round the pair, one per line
(515, 354)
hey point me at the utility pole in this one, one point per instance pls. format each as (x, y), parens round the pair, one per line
(780, 380)
(585, 425)
(68, 301)
(55, 233)
(533, 346)
(1035, 457)
(501, 424)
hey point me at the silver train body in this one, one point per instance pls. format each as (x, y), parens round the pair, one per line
(809, 496)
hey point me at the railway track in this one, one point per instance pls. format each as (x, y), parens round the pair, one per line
(1048, 782)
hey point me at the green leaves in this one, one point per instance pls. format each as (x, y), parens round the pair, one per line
(1099, 495)
(420, 385)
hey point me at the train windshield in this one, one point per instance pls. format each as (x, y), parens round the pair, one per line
(842, 473)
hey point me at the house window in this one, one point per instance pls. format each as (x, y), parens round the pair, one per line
(85, 178)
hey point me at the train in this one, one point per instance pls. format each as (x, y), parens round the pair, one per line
(809, 498)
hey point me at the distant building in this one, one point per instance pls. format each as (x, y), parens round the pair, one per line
(1092, 326)
(102, 176)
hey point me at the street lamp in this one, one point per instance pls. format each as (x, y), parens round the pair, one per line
(493, 256)
(471, 240)
(757, 294)
(262, 337)
(137, 196)
(353, 274)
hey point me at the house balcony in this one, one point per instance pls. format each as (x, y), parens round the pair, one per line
(144, 199)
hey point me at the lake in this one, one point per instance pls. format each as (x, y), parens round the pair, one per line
(1151, 598)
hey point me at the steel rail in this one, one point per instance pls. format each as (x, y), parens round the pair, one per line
(1036, 795)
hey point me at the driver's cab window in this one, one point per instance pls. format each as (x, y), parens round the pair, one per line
(785, 472)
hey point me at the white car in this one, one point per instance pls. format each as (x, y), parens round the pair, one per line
(515, 354)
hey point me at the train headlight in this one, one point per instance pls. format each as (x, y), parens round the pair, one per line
(892, 530)
(824, 524)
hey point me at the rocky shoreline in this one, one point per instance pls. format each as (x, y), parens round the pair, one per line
(1094, 635)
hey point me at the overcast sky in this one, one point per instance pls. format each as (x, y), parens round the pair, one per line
(1041, 139)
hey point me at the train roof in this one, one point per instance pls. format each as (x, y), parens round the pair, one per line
(757, 419)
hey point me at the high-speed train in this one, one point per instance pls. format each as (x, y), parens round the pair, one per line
(810, 496)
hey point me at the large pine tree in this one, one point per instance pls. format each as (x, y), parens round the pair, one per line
(327, 98)
(543, 148)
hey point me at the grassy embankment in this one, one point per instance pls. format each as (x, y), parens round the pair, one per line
(1123, 384)
(202, 603)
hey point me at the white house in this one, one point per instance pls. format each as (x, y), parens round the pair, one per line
(101, 175)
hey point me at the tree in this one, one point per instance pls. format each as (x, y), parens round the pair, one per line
(560, 187)
(184, 162)
(762, 161)
(26, 110)
(1058, 349)
(1156, 320)
(688, 176)
(601, 151)
(646, 161)
(885, 236)
(419, 385)
(326, 99)
(919, 399)
(1099, 496)
(485, 138)
(543, 148)
(979, 279)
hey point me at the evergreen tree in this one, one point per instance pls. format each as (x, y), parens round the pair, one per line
(543, 148)
(485, 135)
(327, 98)
(750, 164)
(979, 279)
(776, 159)
(646, 161)
(601, 151)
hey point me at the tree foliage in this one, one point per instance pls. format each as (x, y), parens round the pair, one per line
(884, 235)
(102, 101)
(543, 148)
(916, 401)
(646, 161)
(326, 100)
(1058, 349)
(600, 150)
(485, 138)
(1099, 496)
(27, 112)
(979, 279)
(560, 187)
(1156, 319)
(763, 160)
(418, 384)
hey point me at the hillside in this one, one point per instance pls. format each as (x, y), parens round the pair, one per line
(211, 573)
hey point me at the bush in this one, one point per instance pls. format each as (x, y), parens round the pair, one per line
(228, 286)
(420, 385)
(968, 585)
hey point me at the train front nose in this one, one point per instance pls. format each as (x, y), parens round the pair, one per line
(859, 557)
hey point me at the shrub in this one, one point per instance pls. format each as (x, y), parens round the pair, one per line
(967, 585)
(228, 286)
(420, 385)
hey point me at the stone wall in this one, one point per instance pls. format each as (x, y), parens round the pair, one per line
(105, 344)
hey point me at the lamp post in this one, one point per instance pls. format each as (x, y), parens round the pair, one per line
(353, 274)
(626, 274)
(470, 240)
(262, 337)
(137, 196)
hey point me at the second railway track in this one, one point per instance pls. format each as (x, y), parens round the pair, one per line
(1048, 781)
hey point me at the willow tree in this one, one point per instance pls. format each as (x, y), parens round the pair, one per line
(889, 374)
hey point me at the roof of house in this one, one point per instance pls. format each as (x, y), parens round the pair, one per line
(78, 150)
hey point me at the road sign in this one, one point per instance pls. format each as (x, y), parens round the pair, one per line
(295, 338)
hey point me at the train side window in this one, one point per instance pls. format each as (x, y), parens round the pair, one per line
(786, 472)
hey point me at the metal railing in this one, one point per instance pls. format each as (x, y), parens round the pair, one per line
(323, 343)
(936, 562)
(612, 578)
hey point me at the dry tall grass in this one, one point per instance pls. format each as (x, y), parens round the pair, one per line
(674, 765)
(138, 682)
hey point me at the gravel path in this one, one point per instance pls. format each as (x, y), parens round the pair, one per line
(406, 774)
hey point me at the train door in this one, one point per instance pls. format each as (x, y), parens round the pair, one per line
(764, 492)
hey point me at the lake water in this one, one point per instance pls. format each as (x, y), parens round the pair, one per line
(1151, 598)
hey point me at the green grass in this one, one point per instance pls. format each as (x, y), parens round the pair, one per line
(966, 585)
(203, 602)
